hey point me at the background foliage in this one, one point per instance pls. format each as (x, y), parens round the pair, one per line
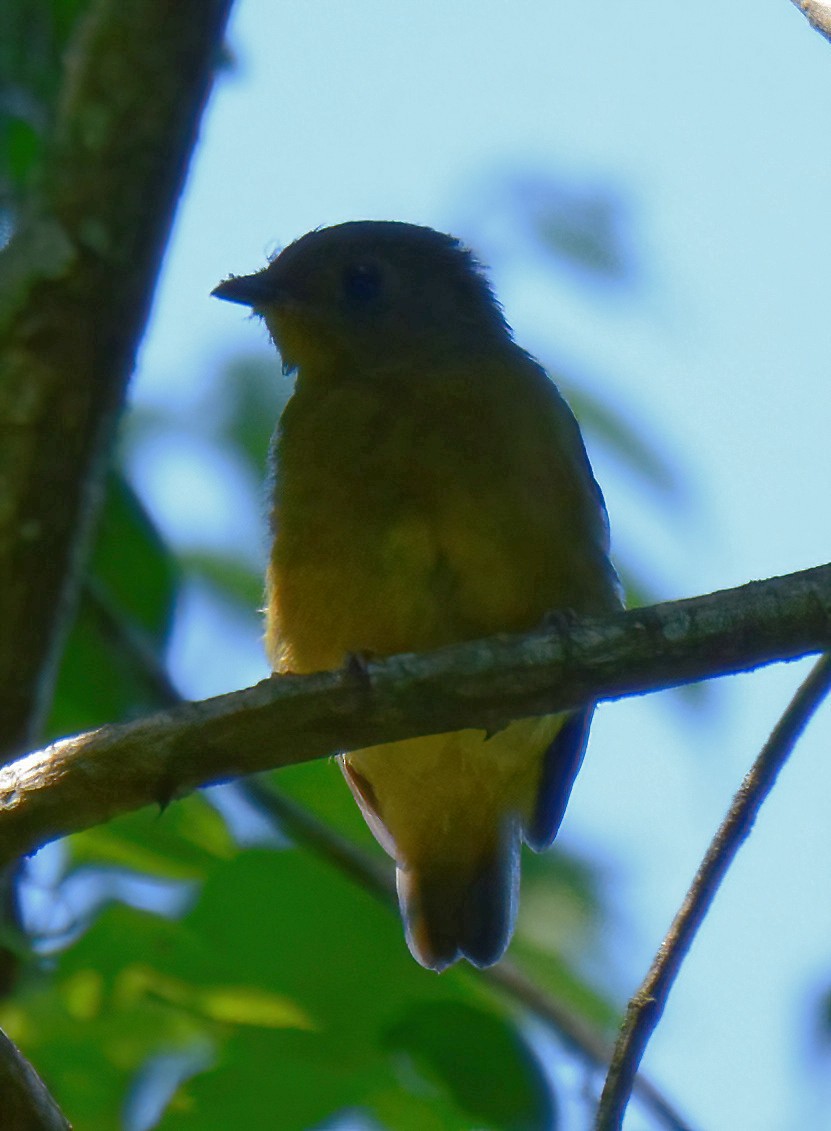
(176, 972)
(195, 967)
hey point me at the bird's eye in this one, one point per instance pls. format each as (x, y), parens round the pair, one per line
(361, 282)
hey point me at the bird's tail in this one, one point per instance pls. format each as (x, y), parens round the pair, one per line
(460, 910)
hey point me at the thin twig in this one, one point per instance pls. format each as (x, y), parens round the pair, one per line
(818, 15)
(646, 1007)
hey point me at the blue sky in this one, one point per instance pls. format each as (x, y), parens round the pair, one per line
(712, 122)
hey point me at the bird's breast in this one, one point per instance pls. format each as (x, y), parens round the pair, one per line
(408, 515)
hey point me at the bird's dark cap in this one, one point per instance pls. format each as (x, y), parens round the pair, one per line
(249, 290)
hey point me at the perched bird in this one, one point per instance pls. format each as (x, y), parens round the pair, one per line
(430, 486)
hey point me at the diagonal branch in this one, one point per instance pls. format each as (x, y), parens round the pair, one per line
(26, 1104)
(818, 15)
(647, 1005)
(86, 780)
(76, 284)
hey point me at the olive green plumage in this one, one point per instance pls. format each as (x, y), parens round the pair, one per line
(430, 486)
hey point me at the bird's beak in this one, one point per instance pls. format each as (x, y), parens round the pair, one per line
(255, 290)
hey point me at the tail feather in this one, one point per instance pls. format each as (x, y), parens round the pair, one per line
(462, 912)
(561, 764)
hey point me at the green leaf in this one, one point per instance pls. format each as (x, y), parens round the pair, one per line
(320, 787)
(87, 1029)
(132, 563)
(624, 439)
(302, 985)
(562, 903)
(33, 37)
(182, 842)
(97, 682)
(269, 1079)
(20, 146)
(298, 929)
(481, 1060)
(232, 1004)
(113, 660)
(253, 394)
(234, 579)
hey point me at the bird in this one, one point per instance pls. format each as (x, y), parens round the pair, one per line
(430, 486)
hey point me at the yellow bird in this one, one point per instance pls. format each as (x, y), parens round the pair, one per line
(430, 486)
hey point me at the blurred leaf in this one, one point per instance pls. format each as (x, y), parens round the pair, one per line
(87, 1036)
(489, 1070)
(22, 149)
(559, 978)
(97, 683)
(237, 412)
(298, 929)
(568, 889)
(623, 439)
(255, 393)
(132, 563)
(181, 842)
(267, 1078)
(319, 786)
(234, 1004)
(422, 1106)
(580, 224)
(125, 609)
(234, 579)
(33, 37)
(560, 933)
(822, 1013)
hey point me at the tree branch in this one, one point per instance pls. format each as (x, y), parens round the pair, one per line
(86, 780)
(76, 285)
(646, 1007)
(375, 875)
(26, 1104)
(818, 15)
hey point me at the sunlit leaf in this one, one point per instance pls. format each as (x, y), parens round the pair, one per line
(231, 1004)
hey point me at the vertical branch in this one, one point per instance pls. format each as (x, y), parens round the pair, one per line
(75, 289)
(647, 1005)
(76, 283)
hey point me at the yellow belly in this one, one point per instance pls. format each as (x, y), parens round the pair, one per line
(439, 797)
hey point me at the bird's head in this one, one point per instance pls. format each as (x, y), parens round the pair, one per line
(371, 294)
